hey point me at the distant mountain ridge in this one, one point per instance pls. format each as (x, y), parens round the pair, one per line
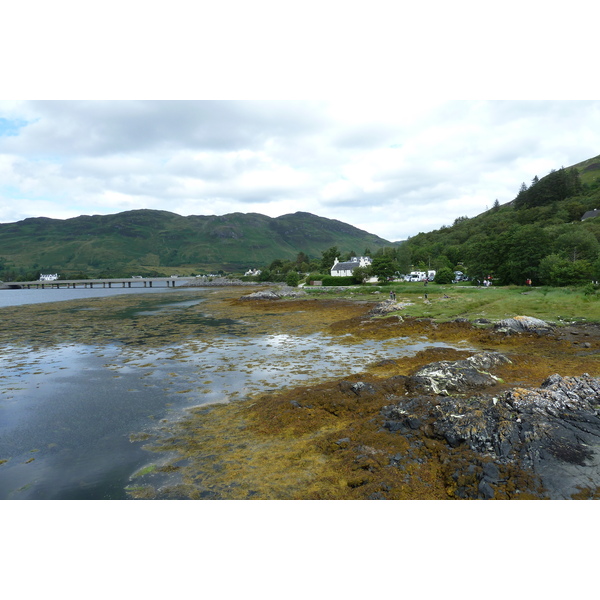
(146, 240)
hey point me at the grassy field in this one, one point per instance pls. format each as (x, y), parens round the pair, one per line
(445, 302)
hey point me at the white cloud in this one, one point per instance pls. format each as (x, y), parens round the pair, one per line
(391, 167)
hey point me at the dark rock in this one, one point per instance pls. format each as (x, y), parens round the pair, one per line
(446, 377)
(413, 422)
(376, 496)
(491, 472)
(461, 493)
(552, 432)
(360, 388)
(343, 442)
(486, 490)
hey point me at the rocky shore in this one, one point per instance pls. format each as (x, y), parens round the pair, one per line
(551, 432)
(519, 419)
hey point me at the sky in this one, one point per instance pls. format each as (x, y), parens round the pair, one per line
(390, 167)
(377, 115)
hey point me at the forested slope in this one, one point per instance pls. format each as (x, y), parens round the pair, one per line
(538, 235)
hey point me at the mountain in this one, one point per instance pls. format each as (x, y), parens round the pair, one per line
(145, 241)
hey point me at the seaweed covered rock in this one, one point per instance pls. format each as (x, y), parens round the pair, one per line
(386, 307)
(282, 292)
(451, 377)
(552, 432)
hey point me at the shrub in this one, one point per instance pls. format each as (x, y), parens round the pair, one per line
(330, 281)
(292, 279)
(444, 275)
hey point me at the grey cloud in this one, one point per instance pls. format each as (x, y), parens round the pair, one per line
(99, 128)
(272, 156)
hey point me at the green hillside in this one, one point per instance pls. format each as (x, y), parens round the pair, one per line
(539, 235)
(153, 241)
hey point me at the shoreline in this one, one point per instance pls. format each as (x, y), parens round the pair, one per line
(293, 443)
(323, 441)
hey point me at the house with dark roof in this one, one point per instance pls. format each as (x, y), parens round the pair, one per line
(590, 214)
(345, 269)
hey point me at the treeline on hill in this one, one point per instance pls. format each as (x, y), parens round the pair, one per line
(539, 235)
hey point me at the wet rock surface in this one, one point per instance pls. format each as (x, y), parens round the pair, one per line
(447, 377)
(551, 432)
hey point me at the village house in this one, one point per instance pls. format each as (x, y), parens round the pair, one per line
(49, 277)
(345, 269)
(591, 214)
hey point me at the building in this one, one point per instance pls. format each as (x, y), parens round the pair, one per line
(52, 277)
(590, 214)
(345, 269)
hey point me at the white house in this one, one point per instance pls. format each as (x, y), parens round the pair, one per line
(345, 269)
(52, 277)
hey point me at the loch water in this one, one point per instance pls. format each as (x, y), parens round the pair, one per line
(74, 416)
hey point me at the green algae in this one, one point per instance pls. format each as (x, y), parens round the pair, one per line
(144, 471)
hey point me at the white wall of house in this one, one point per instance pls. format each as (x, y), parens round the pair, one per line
(347, 268)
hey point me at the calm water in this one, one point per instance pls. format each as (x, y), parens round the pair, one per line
(19, 297)
(67, 412)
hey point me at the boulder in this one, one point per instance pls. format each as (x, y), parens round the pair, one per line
(281, 292)
(521, 324)
(386, 307)
(448, 377)
(262, 295)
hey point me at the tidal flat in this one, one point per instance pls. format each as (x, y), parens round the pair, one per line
(88, 387)
(195, 394)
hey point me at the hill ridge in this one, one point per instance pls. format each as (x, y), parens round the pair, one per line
(146, 240)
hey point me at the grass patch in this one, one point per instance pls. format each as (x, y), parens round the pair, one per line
(447, 302)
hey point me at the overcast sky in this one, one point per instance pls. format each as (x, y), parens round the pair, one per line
(389, 150)
(391, 168)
